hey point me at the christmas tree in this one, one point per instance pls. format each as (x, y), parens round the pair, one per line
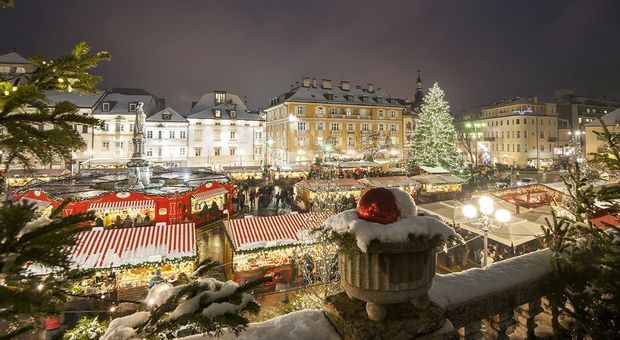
(433, 137)
(28, 241)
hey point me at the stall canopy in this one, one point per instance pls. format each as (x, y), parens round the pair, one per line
(118, 205)
(117, 247)
(359, 164)
(272, 231)
(433, 170)
(210, 193)
(438, 179)
(330, 185)
(391, 181)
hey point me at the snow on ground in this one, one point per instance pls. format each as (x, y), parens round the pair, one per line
(456, 288)
(366, 231)
(302, 325)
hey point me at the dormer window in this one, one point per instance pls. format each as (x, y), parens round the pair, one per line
(379, 100)
(349, 98)
(132, 107)
(329, 96)
(220, 97)
(105, 106)
(233, 114)
(218, 113)
(365, 99)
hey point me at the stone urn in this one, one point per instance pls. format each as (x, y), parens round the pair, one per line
(389, 273)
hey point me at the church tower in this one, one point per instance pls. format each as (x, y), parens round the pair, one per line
(418, 96)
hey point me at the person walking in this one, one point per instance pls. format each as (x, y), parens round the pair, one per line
(107, 220)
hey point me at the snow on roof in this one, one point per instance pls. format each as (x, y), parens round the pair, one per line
(434, 170)
(352, 96)
(13, 58)
(358, 164)
(173, 116)
(610, 119)
(119, 102)
(80, 99)
(331, 184)
(438, 179)
(457, 288)
(388, 182)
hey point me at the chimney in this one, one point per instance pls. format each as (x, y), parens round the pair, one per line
(306, 82)
(345, 85)
(327, 84)
(371, 88)
(245, 99)
(314, 82)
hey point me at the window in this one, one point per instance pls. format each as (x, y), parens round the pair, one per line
(217, 134)
(132, 107)
(381, 127)
(159, 134)
(258, 135)
(302, 126)
(182, 135)
(149, 134)
(351, 141)
(351, 127)
(319, 110)
(348, 111)
(84, 128)
(392, 114)
(365, 127)
(197, 152)
(105, 146)
(335, 126)
(220, 97)
(218, 114)
(542, 134)
(364, 112)
(518, 121)
(149, 152)
(198, 135)
(381, 113)
(217, 151)
(258, 150)
(159, 152)
(319, 126)
(507, 122)
(299, 109)
(393, 127)
(333, 110)
(542, 147)
(171, 134)
(232, 151)
(182, 151)
(105, 106)
(233, 135)
(130, 127)
(233, 114)
(518, 134)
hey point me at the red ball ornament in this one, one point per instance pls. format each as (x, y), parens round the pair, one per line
(378, 205)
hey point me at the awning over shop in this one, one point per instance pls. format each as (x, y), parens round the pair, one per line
(117, 247)
(359, 164)
(271, 231)
(210, 193)
(391, 181)
(434, 170)
(38, 205)
(120, 205)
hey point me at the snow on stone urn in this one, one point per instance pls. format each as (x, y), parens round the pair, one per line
(388, 250)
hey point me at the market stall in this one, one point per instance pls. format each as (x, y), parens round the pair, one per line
(41, 208)
(135, 257)
(309, 191)
(400, 182)
(21, 177)
(209, 201)
(438, 187)
(261, 246)
(243, 173)
(43, 203)
(288, 172)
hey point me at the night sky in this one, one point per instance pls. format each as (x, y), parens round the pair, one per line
(478, 51)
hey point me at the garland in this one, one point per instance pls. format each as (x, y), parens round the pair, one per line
(152, 263)
(347, 242)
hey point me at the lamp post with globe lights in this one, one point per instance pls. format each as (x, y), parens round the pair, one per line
(486, 215)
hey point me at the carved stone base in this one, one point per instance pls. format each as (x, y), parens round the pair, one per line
(402, 321)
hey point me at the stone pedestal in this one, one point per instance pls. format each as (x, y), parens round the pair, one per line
(402, 321)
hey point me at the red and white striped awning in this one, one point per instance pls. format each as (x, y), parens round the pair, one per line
(271, 231)
(206, 194)
(118, 205)
(116, 247)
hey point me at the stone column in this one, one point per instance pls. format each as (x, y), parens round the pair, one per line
(497, 325)
(525, 316)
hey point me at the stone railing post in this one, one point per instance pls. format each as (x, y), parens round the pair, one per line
(497, 325)
(471, 332)
(525, 315)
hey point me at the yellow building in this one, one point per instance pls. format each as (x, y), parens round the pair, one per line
(593, 144)
(342, 121)
(521, 131)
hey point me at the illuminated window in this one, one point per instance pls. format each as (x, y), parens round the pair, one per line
(218, 114)
(232, 151)
(132, 107)
(220, 97)
(105, 106)
(216, 151)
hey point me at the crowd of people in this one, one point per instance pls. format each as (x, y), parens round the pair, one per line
(111, 220)
(250, 199)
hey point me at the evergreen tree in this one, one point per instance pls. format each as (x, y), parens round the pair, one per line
(586, 258)
(26, 240)
(434, 134)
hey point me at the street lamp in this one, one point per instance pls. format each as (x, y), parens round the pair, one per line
(486, 219)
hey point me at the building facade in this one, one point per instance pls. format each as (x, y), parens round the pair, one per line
(223, 132)
(14, 68)
(166, 138)
(314, 119)
(591, 141)
(520, 132)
